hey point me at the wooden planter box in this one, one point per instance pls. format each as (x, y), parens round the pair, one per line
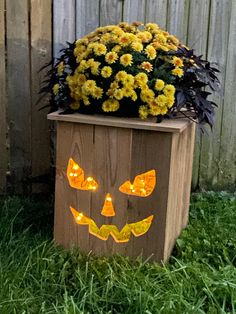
(113, 150)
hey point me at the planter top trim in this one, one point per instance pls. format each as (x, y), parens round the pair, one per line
(173, 126)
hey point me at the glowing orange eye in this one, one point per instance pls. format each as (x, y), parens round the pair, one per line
(143, 184)
(75, 175)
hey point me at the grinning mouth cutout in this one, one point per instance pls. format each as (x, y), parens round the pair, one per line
(137, 228)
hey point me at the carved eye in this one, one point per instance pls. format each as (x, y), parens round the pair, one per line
(143, 184)
(75, 175)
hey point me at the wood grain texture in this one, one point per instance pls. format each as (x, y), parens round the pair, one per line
(178, 12)
(198, 39)
(156, 12)
(134, 11)
(87, 16)
(177, 125)
(217, 52)
(150, 151)
(3, 126)
(227, 160)
(111, 166)
(97, 149)
(18, 90)
(41, 54)
(76, 141)
(64, 25)
(110, 12)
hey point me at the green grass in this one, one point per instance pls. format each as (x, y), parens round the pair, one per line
(37, 277)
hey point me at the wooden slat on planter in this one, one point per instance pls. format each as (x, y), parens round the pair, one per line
(74, 141)
(227, 160)
(3, 150)
(177, 125)
(87, 17)
(111, 164)
(41, 54)
(218, 36)
(18, 91)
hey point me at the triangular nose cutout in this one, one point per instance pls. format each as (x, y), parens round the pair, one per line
(108, 209)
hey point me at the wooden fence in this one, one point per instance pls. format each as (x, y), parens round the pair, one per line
(209, 26)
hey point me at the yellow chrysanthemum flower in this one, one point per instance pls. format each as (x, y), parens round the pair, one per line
(134, 96)
(147, 95)
(164, 110)
(129, 80)
(100, 49)
(147, 66)
(85, 100)
(161, 100)
(159, 85)
(141, 79)
(169, 90)
(143, 112)
(155, 110)
(75, 105)
(97, 93)
(126, 60)
(81, 78)
(60, 68)
(145, 36)
(56, 89)
(124, 39)
(170, 100)
(106, 71)
(177, 62)
(118, 94)
(83, 66)
(114, 85)
(150, 51)
(127, 91)
(89, 87)
(116, 48)
(121, 75)
(178, 72)
(111, 57)
(137, 46)
(110, 105)
(95, 68)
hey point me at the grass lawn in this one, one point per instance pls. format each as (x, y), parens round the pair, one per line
(37, 277)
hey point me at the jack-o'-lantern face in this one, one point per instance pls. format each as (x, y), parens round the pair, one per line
(142, 186)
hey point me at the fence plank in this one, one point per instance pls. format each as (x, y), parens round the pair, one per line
(177, 24)
(157, 12)
(41, 53)
(87, 16)
(18, 90)
(134, 11)
(3, 151)
(63, 23)
(197, 39)
(217, 52)
(227, 160)
(110, 12)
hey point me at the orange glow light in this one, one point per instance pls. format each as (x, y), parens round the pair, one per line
(137, 229)
(76, 179)
(143, 184)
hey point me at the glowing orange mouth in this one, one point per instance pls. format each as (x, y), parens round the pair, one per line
(137, 229)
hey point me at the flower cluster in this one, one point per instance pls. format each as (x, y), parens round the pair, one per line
(127, 70)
